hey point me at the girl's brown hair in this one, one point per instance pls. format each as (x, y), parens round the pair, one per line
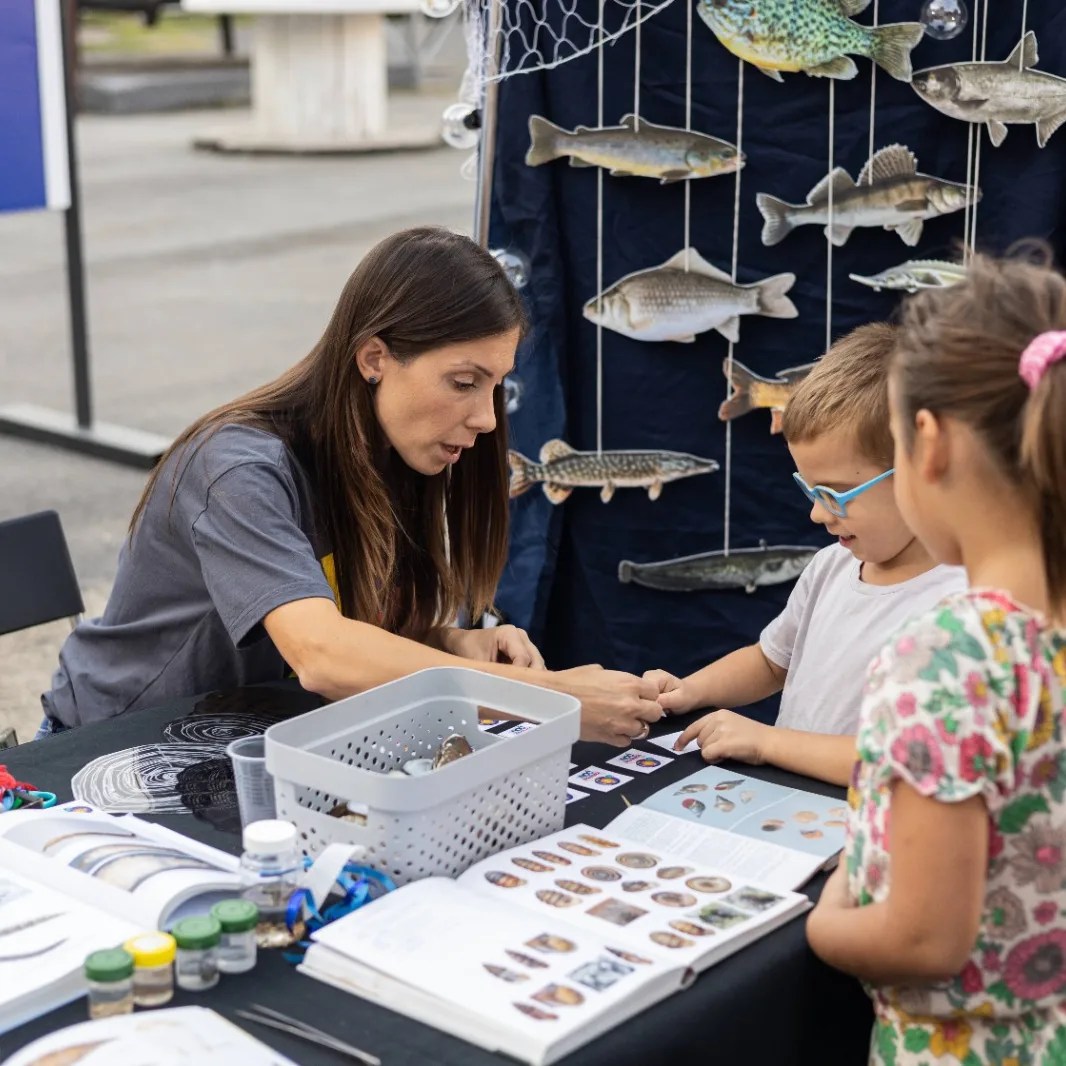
(409, 550)
(958, 354)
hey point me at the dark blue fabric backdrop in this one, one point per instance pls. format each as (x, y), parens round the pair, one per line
(561, 581)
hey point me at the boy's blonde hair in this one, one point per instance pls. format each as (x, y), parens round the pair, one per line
(848, 388)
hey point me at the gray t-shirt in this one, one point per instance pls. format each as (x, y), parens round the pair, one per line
(833, 626)
(186, 610)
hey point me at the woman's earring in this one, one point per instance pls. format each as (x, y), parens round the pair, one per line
(373, 380)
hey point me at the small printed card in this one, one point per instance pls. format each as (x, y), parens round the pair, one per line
(485, 724)
(670, 740)
(598, 779)
(573, 795)
(639, 761)
(517, 729)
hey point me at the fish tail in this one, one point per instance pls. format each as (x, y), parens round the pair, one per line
(773, 296)
(778, 217)
(543, 141)
(891, 47)
(740, 402)
(625, 571)
(523, 473)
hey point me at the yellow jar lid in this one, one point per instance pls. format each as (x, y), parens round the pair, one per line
(151, 949)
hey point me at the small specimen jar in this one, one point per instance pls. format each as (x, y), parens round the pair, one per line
(109, 975)
(153, 968)
(196, 966)
(238, 919)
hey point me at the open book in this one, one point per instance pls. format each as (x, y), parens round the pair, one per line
(768, 833)
(73, 880)
(539, 949)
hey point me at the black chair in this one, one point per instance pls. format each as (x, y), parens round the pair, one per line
(37, 579)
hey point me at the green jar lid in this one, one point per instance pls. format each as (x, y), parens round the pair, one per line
(236, 915)
(195, 934)
(111, 964)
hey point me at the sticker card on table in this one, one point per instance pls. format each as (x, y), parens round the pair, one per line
(670, 740)
(573, 795)
(517, 729)
(598, 779)
(641, 762)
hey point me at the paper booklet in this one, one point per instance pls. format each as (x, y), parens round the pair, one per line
(769, 833)
(175, 1036)
(539, 949)
(73, 880)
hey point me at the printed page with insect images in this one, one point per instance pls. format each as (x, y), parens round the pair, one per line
(772, 834)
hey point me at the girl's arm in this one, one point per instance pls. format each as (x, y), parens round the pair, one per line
(926, 928)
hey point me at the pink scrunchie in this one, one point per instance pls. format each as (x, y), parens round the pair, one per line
(1041, 352)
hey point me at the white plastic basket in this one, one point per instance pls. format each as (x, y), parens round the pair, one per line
(508, 791)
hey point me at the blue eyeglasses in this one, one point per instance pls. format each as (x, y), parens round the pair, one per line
(836, 503)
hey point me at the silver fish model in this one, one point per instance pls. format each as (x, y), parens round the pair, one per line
(562, 469)
(635, 148)
(913, 275)
(890, 193)
(998, 94)
(742, 568)
(684, 296)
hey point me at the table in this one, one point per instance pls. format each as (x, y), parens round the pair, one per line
(773, 1003)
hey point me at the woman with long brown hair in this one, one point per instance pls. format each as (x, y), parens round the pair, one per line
(335, 522)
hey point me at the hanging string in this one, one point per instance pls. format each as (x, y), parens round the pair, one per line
(688, 126)
(971, 129)
(636, 74)
(873, 95)
(1025, 23)
(733, 274)
(599, 248)
(829, 219)
(976, 184)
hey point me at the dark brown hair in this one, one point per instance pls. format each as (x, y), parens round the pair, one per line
(409, 550)
(958, 355)
(848, 388)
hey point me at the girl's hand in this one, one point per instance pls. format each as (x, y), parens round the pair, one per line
(500, 644)
(727, 735)
(836, 895)
(674, 697)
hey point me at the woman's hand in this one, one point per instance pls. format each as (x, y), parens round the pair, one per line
(499, 644)
(616, 708)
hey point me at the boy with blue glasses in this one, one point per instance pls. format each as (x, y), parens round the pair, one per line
(846, 603)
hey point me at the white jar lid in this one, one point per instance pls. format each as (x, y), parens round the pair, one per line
(270, 835)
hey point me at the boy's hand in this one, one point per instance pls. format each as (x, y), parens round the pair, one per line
(726, 735)
(673, 696)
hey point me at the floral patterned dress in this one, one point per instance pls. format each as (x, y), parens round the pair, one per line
(968, 700)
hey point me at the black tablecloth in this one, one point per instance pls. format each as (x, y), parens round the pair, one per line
(774, 1003)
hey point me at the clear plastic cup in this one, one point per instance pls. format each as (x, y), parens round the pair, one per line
(255, 787)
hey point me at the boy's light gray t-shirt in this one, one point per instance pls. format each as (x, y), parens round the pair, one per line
(185, 613)
(831, 629)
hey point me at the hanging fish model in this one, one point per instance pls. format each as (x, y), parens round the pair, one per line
(913, 275)
(815, 36)
(751, 391)
(562, 469)
(742, 568)
(636, 148)
(684, 296)
(890, 193)
(998, 94)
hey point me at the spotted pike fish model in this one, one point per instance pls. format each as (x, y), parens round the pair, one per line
(562, 469)
(913, 275)
(890, 193)
(752, 392)
(815, 36)
(742, 568)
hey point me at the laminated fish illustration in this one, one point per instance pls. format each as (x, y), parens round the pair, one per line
(696, 806)
(998, 94)
(752, 392)
(634, 149)
(913, 275)
(684, 296)
(890, 193)
(723, 804)
(690, 788)
(815, 36)
(562, 469)
(742, 568)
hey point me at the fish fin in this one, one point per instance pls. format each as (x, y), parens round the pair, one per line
(776, 414)
(1047, 126)
(909, 232)
(792, 375)
(607, 491)
(750, 587)
(689, 338)
(838, 179)
(556, 494)
(894, 161)
(575, 162)
(673, 175)
(629, 122)
(555, 449)
(523, 473)
(842, 67)
(730, 328)
(544, 137)
(625, 571)
(777, 217)
(655, 490)
(622, 173)
(891, 46)
(997, 132)
(739, 401)
(1025, 53)
(773, 296)
(851, 8)
(838, 234)
(691, 260)
(775, 74)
